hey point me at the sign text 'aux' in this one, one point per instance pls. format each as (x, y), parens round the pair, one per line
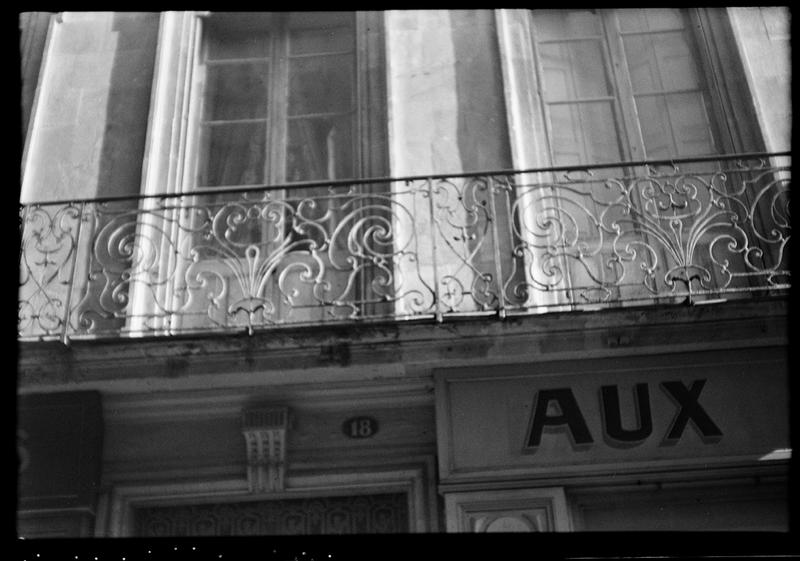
(557, 412)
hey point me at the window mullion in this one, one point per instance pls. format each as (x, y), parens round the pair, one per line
(577, 106)
(360, 96)
(625, 102)
(722, 134)
(197, 106)
(547, 124)
(278, 85)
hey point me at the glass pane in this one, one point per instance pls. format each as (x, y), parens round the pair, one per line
(654, 121)
(558, 24)
(320, 148)
(232, 154)
(236, 91)
(660, 62)
(227, 42)
(649, 19)
(660, 19)
(674, 125)
(584, 134)
(333, 39)
(690, 123)
(320, 20)
(574, 70)
(320, 84)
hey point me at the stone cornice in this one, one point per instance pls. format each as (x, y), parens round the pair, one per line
(398, 350)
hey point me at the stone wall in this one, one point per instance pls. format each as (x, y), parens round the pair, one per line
(446, 108)
(88, 133)
(763, 36)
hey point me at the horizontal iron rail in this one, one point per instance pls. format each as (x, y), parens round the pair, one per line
(408, 178)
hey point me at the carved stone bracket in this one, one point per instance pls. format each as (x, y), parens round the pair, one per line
(265, 437)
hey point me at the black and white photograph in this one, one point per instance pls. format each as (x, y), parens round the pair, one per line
(341, 284)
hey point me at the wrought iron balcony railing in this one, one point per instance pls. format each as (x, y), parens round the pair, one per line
(510, 242)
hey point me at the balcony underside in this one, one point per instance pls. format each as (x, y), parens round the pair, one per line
(505, 243)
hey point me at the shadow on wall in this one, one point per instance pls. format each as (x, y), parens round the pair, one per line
(128, 105)
(106, 298)
(483, 139)
(482, 130)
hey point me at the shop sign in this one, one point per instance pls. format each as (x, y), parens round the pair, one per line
(602, 415)
(570, 421)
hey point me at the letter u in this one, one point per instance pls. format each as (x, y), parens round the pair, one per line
(612, 416)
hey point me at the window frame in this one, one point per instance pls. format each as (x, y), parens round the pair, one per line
(718, 58)
(278, 116)
(630, 135)
(168, 145)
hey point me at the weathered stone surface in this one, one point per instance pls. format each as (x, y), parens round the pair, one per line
(394, 350)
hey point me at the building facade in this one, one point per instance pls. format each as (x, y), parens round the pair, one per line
(404, 271)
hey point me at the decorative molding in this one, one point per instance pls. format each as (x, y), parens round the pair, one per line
(265, 437)
(389, 352)
(203, 403)
(348, 514)
(516, 510)
(522, 96)
(662, 477)
(116, 517)
(166, 140)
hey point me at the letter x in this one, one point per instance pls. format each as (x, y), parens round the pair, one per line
(690, 410)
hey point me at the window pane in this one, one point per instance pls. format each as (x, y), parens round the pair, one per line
(307, 41)
(320, 148)
(320, 84)
(236, 91)
(558, 24)
(584, 134)
(649, 19)
(232, 154)
(660, 62)
(320, 20)
(674, 125)
(229, 42)
(654, 121)
(690, 123)
(574, 70)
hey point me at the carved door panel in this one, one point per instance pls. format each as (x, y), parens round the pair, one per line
(360, 514)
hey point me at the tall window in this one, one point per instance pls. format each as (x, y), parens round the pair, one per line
(279, 99)
(622, 85)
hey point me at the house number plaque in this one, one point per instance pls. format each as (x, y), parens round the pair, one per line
(360, 427)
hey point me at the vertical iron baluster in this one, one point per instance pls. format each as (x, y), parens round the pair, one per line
(71, 285)
(501, 308)
(436, 299)
(23, 216)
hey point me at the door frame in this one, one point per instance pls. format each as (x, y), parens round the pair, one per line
(117, 505)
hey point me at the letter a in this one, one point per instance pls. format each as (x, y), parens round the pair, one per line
(570, 415)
